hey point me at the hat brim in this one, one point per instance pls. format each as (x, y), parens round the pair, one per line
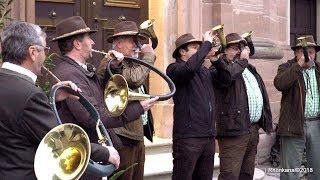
(317, 48)
(126, 33)
(176, 51)
(81, 31)
(238, 42)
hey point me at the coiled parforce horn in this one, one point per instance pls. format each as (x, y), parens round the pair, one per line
(66, 148)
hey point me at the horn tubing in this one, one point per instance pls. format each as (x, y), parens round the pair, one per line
(165, 77)
(54, 76)
(304, 47)
(154, 40)
(251, 47)
(93, 167)
(305, 53)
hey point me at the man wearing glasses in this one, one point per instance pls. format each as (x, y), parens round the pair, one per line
(26, 116)
(243, 107)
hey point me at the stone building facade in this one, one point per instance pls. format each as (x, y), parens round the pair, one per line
(268, 19)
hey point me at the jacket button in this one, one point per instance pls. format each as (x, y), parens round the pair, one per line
(238, 112)
(222, 112)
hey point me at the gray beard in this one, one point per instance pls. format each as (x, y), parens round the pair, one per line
(135, 55)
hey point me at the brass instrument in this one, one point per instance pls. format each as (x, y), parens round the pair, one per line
(219, 30)
(247, 37)
(304, 45)
(146, 29)
(101, 52)
(48, 71)
(117, 93)
(64, 152)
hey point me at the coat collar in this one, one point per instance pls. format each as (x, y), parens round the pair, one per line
(89, 73)
(13, 73)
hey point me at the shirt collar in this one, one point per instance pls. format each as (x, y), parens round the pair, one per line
(84, 66)
(20, 69)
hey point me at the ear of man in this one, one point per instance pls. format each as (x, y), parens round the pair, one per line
(32, 52)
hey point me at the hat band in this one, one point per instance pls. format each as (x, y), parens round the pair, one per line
(308, 44)
(235, 41)
(126, 33)
(73, 33)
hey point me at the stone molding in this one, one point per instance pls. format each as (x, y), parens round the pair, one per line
(267, 50)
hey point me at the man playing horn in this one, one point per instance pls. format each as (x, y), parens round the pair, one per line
(26, 116)
(132, 134)
(299, 121)
(242, 108)
(194, 106)
(75, 44)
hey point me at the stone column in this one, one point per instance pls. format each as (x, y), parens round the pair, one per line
(163, 12)
(173, 18)
(269, 22)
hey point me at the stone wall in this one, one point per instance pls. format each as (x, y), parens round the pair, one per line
(266, 18)
(269, 23)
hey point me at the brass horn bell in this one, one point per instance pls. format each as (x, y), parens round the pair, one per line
(146, 29)
(223, 43)
(117, 95)
(64, 153)
(247, 37)
(304, 45)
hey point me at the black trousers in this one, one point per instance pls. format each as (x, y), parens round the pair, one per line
(193, 158)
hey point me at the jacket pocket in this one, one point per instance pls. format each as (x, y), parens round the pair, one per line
(230, 119)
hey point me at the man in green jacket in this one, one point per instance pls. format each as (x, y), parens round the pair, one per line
(299, 122)
(132, 134)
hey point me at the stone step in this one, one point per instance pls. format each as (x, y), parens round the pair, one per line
(159, 166)
(158, 146)
(258, 175)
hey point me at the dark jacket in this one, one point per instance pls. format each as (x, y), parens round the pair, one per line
(194, 101)
(232, 103)
(73, 112)
(25, 119)
(289, 80)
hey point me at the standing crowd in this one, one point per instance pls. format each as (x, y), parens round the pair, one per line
(225, 101)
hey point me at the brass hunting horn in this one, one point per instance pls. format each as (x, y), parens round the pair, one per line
(117, 93)
(222, 40)
(64, 152)
(304, 45)
(247, 37)
(146, 29)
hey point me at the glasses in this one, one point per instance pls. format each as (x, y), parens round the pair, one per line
(46, 49)
(235, 48)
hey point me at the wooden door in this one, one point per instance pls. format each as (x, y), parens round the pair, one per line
(98, 14)
(302, 19)
(49, 12)
(104, 14)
